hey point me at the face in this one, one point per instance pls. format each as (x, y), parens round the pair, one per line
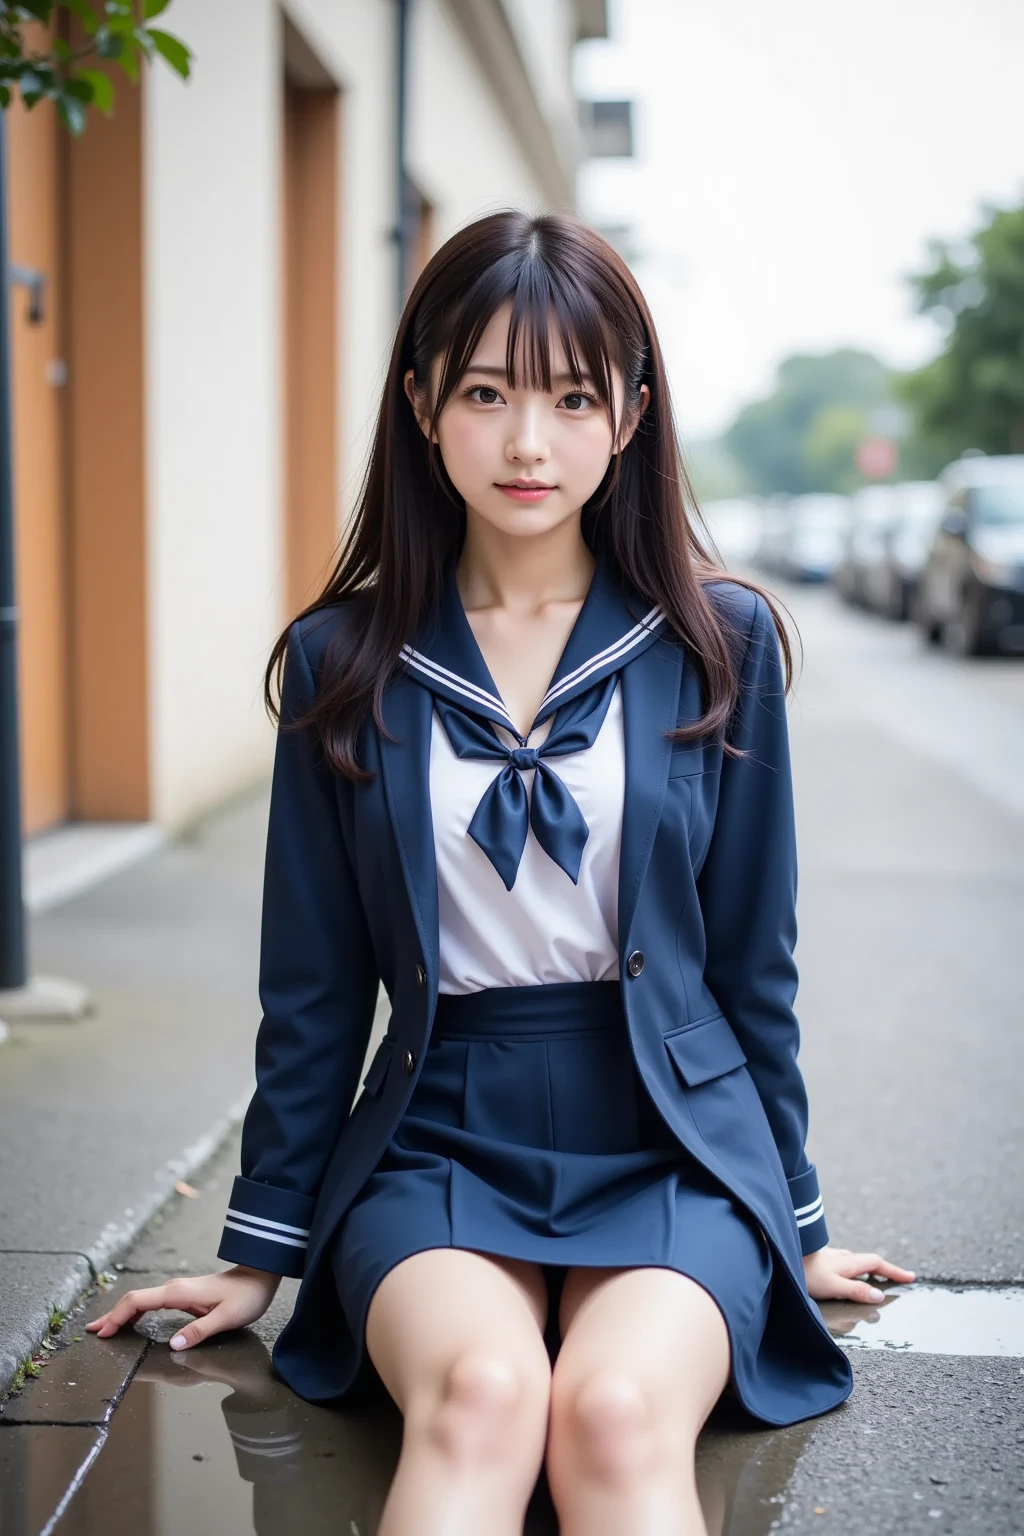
(524, 460)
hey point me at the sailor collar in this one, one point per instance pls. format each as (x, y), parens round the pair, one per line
(611, 629)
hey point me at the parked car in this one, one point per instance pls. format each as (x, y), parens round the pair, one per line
(811, 539)
(891, 582)
(971, 590)
(871, 512)
(774, 526)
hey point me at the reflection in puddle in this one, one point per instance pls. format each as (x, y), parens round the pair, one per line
(935, 1320)
(212, 1442)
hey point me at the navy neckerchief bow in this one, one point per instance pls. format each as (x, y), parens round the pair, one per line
(500, 821)
(446, 658)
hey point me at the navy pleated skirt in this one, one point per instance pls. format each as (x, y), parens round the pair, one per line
(530, 1135)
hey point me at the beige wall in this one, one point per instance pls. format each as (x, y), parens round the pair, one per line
(214, 469)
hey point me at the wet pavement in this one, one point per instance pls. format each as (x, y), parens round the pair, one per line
(912, 903)
(123, 1433)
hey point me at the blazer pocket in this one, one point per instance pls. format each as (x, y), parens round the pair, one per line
(377, 1071)
(704, 1050)
(686, 758)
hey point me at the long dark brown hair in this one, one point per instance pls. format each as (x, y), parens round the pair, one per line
(557, 273)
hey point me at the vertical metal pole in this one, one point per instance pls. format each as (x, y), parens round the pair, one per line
(12, 912)
(401, 179)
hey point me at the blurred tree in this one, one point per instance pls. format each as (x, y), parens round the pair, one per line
(715, 473)
(829, 445)
(118, 30)
(780, 441)
(972, 394)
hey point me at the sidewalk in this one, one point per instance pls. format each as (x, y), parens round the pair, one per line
(99, 1118)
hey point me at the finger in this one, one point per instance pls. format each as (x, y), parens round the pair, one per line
(857, 1290)
(216, 1320)
(134, 1304)
(893, 1271)
(874, 1264)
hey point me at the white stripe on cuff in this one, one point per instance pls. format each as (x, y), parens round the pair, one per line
(264, 1221)
(268, 1237)
(808, 1214)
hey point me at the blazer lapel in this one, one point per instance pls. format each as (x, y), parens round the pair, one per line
(407, 710)
(650, 701)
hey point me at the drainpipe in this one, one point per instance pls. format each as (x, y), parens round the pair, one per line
(403, 221)
(12, 912)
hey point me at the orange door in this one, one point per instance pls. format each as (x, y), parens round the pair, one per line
(309, 269)
(40, 543)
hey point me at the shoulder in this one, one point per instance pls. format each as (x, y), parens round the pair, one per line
(744, 611)
(311, 635)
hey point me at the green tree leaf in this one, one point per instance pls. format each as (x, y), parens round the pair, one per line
(102, 88)
(129, 59)
(85, 13)
(39, 10)
(72, 114)
(154, 8)
(108, 46)
(171, 49)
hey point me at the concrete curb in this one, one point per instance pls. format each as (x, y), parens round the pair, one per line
(71, 1274)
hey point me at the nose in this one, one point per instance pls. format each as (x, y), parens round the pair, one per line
(527, 444)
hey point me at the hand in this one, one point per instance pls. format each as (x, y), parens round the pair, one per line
(830, 1275)
(230, 1299)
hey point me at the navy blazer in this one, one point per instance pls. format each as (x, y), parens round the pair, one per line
(706, 913)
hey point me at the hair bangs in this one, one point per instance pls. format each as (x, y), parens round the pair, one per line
(546, 304)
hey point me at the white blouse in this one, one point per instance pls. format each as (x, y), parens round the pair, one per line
(545, 929)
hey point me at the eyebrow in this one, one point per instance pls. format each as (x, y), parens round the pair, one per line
(500, 373)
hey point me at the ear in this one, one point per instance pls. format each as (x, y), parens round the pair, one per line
(629, 427)
(415, 398)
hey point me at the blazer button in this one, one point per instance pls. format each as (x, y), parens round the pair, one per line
(421, 975)
(635, 963)
(408, 1063)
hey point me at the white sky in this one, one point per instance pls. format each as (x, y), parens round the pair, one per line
(793, 158)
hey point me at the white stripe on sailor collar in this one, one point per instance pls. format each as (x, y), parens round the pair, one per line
(435, 671)
(615, 653)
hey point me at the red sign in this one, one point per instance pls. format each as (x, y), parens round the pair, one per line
(876, 457)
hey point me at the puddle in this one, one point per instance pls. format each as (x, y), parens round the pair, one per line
(935, 1320)
(212, 1442)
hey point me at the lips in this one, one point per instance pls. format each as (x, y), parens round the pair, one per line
(525, 490)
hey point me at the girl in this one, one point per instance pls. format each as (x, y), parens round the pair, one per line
(532, 772)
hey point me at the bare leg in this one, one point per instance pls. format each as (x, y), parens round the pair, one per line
(644, 1358)
(457, 1339)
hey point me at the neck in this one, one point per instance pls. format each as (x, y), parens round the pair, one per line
(521, 575)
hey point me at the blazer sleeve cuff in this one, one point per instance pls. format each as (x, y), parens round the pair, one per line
(267, 1228)
(809, 1211)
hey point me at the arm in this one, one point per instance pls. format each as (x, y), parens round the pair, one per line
(318, 985)
(747, 893)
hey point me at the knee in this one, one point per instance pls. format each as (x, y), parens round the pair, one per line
(610, 1427)
(485, 1407)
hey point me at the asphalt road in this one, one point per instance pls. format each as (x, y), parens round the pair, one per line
(909, 770)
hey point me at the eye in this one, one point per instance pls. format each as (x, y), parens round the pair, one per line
(578, 401)
(484, 394)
